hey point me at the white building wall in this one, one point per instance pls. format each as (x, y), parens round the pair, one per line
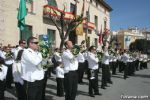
(10, 34)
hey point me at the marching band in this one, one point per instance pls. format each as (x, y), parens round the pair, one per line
(24, 67)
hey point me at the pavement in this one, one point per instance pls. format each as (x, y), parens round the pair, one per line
(134, 88)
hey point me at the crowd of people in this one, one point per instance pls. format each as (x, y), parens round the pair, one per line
(22, 65)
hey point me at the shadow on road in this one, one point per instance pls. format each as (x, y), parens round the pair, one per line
(146, 82)
(143, 76)
(50, 86)
(52, 79)
(82, 93)
(12, 91)
(117, 76)
(7, 98)
(49, 92)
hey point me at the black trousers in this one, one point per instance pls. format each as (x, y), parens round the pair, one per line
(114, 66)
(20, 91)
(137, 64)
(93, 83)
(145, 65)
(33, 90)
(121, 66)
(60, 86)
(70, 85)
(108, 74)
(104, 75)
(126, 65)
(44, 84)
(141, 65)
(9, 77)
(2, 89)
(81, 72)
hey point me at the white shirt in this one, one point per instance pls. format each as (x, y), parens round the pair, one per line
(16, 71)
(16, 51)
(92, 61)
(80, 58)
(59, 72)
(31, 65)
(125, 58)
(85, 54)
(105, 58)
(2, 54)
(57, 57)
(3, 73)
(145, 58)
(70, 62)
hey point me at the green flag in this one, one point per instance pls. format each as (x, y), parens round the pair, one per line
(22, 12)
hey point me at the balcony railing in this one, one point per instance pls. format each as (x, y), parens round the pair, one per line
(52, 11)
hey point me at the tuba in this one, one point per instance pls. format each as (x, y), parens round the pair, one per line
(75, 50)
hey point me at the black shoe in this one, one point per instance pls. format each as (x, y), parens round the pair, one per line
(97, 94)
(107, 85)
(110, 82)
(91, 95)
(9, 87)
(103, 87)
(81, 83)
(60, 95)
(125, 77)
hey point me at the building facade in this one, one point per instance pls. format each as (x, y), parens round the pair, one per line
(126, 37)
(146, 34)
(37, 24)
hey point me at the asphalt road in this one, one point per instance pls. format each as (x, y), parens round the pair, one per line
(134, 88)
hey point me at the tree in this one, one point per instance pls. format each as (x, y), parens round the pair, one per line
(140, 45)
(66, 26)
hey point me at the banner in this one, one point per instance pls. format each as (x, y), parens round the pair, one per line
(79, 29)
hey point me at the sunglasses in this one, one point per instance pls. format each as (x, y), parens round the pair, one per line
(35, 42)
(23, 43)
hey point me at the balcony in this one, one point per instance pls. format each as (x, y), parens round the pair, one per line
(53, 11)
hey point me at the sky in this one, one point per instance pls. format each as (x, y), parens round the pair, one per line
(129, 13)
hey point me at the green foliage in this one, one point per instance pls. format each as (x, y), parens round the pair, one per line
(140, 45)
(44, 49)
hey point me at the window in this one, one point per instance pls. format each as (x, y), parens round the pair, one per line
(105, 23)
(88, 15)
(26, 33)
(96, 42)
(52, 3)
(29, 1)
(51, 37)
(96, 21)
(88, 42)
(96, 4)
(29, 6)
(89, 31)
(91, 1)
(73, 8)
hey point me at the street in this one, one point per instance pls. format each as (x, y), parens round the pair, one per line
(134, 88)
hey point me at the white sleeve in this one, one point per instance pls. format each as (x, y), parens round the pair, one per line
(67, 56)
(33, 58)
(95, 59)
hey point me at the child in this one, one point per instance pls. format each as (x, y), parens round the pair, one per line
(3, 73)
(60, 79)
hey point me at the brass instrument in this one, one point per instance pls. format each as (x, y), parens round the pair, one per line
(75, 50)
